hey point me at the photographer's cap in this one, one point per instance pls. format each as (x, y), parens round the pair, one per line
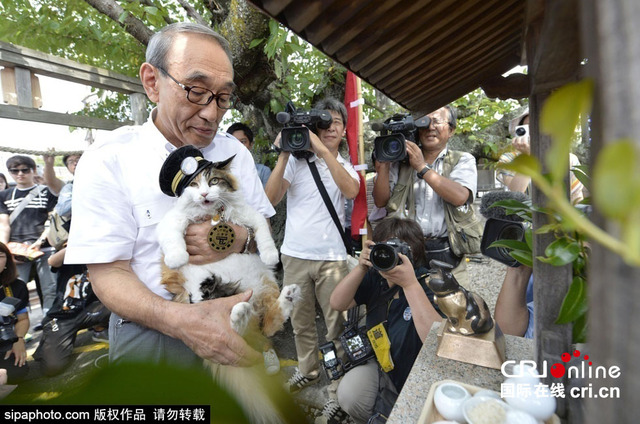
(180, 168)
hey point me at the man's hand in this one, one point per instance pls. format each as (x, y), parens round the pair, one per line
(402, 275)
(521, 144)
(19, 351)
(49, 159)
(364, 259)
(200, 252)
(209, 334)
(416, 158)
(317, 145)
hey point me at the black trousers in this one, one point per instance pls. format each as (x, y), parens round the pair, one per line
(439, 249)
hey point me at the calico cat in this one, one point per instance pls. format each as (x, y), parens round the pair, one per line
(211, 190)
(215, 191)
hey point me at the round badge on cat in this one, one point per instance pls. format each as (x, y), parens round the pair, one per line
(221, 237)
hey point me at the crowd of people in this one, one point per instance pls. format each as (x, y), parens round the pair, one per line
(188, 75)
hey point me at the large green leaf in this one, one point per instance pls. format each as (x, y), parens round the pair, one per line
(616, 179)
(522, 256)
(559, 118)
(575, 302)
(561, 252)
(510, 244)
(523, 164)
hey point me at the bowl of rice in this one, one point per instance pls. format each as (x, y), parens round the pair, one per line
(485, 410)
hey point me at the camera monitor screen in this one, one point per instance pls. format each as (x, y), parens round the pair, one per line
(329, 356)
(355, 343)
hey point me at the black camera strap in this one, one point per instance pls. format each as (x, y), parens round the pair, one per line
(329, 205)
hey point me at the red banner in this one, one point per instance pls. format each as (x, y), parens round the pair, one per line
(359, 213)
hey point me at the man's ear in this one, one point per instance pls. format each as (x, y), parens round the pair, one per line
(150, 81)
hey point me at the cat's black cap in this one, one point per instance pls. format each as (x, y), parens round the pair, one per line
(180, 168)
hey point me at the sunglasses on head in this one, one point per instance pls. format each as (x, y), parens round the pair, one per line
(16, 171)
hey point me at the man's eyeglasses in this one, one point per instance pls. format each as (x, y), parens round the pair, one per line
(16, 171)
(202, 96)
(437, 122)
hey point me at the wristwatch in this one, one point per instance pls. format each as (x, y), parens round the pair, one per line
(424, 170)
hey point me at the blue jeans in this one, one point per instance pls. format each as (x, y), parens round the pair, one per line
(47, 280)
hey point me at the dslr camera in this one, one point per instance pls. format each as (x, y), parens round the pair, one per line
(295, 134)
(7, 321)
(391, 145)
(356, 345)
(384, 255)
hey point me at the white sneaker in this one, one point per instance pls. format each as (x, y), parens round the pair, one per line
(271, 362)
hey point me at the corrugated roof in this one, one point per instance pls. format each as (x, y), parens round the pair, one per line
(421, 53)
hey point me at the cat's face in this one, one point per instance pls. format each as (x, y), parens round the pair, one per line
(210, 186)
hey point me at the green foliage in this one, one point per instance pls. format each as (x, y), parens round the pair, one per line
(616, 193)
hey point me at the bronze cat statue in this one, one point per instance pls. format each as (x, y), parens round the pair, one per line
(467, 313)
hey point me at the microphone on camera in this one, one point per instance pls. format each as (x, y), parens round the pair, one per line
(377, 126)
(283, 117)
(499, 212)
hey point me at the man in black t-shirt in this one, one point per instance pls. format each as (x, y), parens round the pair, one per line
(28, 226)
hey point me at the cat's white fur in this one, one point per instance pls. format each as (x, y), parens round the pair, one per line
(199, 202)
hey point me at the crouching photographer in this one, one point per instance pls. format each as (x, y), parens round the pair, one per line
(399, 304)
(14, 318)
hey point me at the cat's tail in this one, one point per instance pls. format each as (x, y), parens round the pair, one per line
(256, 392)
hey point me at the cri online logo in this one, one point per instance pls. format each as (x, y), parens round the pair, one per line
(558, 369)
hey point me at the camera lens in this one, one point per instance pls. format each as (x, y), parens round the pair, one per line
(510, 232)
(297, 140)
(520, 131)
(392, 147)
(383, 257)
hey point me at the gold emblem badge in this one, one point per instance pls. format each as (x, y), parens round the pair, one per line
(221, 237)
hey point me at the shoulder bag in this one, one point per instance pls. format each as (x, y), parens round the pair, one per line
(352, 261)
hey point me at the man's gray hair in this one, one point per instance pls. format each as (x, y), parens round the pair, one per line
(329, 103)
(160, 43)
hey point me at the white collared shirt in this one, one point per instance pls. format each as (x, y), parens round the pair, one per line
(117, 202)
(310, 232)
(429, 205)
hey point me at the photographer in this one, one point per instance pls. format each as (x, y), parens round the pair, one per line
(408, 314)
(315, 264)
(13, 356)
(520, 144)
(431, 188)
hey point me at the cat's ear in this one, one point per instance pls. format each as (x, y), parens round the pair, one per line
(223, 164)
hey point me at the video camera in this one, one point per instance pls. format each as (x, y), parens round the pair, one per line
(500, 226)
(7, 332)
(384, 255)
(391, 145)
(356, 345)
(295, 135)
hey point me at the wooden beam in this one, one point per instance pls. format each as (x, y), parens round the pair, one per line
(47, 117)
(513, 86)
(64, 69)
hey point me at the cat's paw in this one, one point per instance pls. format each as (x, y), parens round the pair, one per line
(289, 296)
(176, 259)
(240, 316)
(270, 256)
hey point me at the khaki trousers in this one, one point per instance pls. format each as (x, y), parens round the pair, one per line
(316, 280)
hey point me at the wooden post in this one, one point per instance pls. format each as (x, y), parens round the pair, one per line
(553, 59)
(611, 41)
(138, 108)
(23, 87)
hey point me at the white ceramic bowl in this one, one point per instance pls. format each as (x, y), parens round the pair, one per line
(515, 416)
(470, 412)
(539, 403)
(449, 398)
(487, 393)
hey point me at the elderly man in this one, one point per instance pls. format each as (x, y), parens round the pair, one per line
(431, 188)
(117, 204)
